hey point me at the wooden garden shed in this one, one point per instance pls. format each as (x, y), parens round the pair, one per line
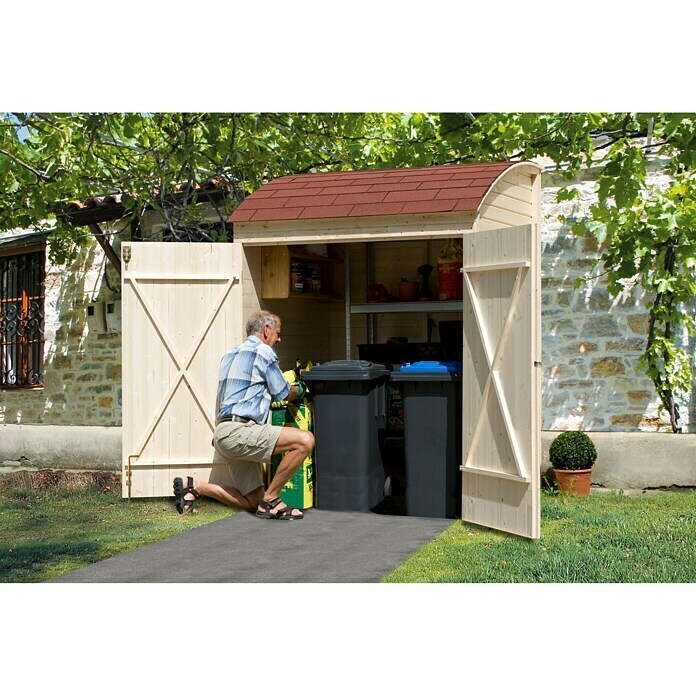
(185, 305)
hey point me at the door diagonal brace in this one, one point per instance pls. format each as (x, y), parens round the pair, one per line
(493, 362)
(181, 365)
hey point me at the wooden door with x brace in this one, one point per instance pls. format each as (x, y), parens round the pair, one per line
(501, 380)
(182, 310)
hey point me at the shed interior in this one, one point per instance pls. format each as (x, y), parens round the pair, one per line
(339, 322)
(332, 323)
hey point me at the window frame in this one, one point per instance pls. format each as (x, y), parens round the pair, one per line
(24, 342)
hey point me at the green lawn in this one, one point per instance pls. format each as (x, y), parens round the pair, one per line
(606, 537)
(47, 530)
(51, 524)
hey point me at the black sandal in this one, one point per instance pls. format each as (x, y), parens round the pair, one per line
(285, 514)
(184, 506)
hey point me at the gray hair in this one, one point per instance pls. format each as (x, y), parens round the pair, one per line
(260, 319)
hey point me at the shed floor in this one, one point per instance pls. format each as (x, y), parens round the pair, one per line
(327, 546)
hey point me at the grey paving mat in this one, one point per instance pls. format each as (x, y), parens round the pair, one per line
(326, 546)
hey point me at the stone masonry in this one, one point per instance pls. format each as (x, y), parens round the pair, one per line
(591, 342)
(82, 370)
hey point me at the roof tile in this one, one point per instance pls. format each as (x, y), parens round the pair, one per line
(429, 206)
(290, 193)
(426, 195)
(458, 192)
(276, 214)
(244, 215)
(337, 190)
(458, 183)
(313, 201)
(399, 186)
(376, 209)
(333, 181)
(467, 203)
(263, 203)
(377, 197)
(326, 211)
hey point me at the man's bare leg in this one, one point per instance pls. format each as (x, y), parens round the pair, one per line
(227, 495)
(297, 444)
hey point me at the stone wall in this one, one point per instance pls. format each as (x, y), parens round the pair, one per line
(82, 370)
(591, 342)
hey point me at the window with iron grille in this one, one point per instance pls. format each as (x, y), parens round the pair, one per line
(22, 283)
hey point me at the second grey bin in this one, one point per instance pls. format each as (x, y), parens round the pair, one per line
(432, 437)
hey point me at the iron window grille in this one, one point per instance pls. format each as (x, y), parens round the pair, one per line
(22, 289)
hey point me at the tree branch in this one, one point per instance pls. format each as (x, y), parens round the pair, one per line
(39, 175)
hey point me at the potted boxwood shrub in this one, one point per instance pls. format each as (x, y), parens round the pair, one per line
(572, 455)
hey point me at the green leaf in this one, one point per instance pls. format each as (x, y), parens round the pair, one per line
(598, 229)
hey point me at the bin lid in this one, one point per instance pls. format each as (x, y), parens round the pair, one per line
(428, 370)
(436, 366)
(336, 370)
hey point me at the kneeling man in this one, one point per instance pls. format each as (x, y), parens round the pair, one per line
(250, 379)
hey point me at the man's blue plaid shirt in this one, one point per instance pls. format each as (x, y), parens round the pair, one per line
(250, 378)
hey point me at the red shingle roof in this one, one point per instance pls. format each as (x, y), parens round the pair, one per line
(437, 189)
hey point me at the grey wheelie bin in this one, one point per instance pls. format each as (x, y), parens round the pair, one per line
(432, 436)
(349, 410)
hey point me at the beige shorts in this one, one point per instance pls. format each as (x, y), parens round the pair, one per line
(245, 446)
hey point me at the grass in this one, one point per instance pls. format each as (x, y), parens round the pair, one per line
(55, 522)
(603, 538)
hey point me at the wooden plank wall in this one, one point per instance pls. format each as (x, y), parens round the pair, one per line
(305, 322)
(502, 504)
(179, 439)
(509, 203)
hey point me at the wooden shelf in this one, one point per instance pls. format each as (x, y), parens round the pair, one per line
(311, 258)
(277, 262)
(406, 307)
(313, 296)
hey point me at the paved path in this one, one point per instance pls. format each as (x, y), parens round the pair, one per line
(327, 546)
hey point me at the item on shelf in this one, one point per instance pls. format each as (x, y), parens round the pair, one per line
(296, 277)
(377, 293)
(408, 290)
(449, 266)
(425, 270)
(315, 280)
(307, 271)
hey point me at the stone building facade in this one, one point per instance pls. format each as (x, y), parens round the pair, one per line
(591, 342)
(82, 369)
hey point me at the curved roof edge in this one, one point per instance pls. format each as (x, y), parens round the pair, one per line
(531, 167)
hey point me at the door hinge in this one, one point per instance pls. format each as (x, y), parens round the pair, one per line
(537, 363)
(129, 473)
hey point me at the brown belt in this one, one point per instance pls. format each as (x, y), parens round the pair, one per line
(236, 419)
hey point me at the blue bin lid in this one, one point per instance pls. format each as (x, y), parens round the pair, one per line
(432, 367)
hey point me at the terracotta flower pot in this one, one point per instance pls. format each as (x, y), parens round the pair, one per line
(408, 290)
(574, 480)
